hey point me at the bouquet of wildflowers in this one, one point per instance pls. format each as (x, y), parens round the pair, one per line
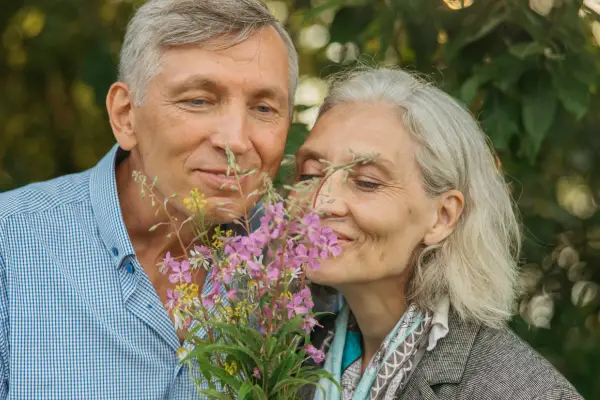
(257, 314)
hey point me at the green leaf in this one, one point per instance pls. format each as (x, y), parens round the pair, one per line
(539, 108)
(503, 71)
(349, 23)
(284, 368)
(526, 49)
(214, 394)
(468, 90)
(469, 36)
(500, 117)
(316, 11)
(583, 67)
(573, 94)
(245, 390)
(418, 20)
(219, 373)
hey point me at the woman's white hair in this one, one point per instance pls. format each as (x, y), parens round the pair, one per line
(476, 266)
(160, 24)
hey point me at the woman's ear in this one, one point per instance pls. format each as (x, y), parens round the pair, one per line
(450, 206)
(120, 114)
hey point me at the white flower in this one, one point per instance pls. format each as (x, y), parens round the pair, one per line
(541, 310)
(596, 31)
(542, 7)
(567, 257)
(530, 277)
(584, 293)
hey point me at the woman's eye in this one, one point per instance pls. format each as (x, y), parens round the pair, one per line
(366, 185)
(307, 177)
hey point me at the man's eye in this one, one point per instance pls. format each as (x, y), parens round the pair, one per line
(198, 102)
(264, 109)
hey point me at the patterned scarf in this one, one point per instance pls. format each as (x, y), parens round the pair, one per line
(389, 369)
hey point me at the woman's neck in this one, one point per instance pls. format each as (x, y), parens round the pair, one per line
(377, 307)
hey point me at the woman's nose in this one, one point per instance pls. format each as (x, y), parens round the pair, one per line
(332, 197)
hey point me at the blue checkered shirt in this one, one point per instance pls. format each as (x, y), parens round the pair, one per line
(79, 317)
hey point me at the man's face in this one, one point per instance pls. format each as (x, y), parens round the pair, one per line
(205, 100)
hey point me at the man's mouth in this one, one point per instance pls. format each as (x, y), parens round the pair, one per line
(219, 178)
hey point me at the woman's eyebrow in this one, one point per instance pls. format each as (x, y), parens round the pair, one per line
(307, 153)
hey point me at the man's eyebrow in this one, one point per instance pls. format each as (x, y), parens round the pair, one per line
(195, 82)
(273, 93)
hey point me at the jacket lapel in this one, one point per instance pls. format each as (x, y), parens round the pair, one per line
(446, 363)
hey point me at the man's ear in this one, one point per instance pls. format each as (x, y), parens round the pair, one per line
(120, 113)
(450, 206)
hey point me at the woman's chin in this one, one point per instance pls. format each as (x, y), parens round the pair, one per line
(323, 276)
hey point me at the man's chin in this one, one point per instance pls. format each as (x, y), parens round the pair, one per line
(224, 211)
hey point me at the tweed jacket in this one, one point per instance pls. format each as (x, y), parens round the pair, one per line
(477, 362)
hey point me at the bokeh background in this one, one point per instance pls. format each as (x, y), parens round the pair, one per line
(528, 69)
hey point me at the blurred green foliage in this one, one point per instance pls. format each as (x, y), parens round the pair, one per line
(528, 69)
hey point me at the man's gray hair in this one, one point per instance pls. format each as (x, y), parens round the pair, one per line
(159, 24)
(476, 266)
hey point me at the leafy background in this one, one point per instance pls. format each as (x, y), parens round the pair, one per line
(528, 69)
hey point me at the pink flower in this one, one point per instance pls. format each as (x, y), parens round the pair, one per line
(210, 298)
(173, 299)
(208, 302)
(310, 257)
(309, 323)
(167, 263)
(273, 223)
(300, 304)
(272, 273)
(181, 272)
(255, 270)
(203, 250)
(232, 295)
(317, 355)
(256, 373)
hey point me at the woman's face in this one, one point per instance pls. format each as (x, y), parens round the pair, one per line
(381, 213)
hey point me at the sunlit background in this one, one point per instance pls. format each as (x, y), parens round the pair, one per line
(528, 69)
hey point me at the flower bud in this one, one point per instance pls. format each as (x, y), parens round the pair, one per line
(567, 257)
(541, 311)
(584, 293)
(542, 7)
(530, 277)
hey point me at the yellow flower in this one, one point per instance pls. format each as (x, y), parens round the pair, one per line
(196, 202)
(231, 367)
(189, 291)
(285, 294)
(182, 352)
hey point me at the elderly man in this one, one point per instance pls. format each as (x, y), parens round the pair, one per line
(82, 311)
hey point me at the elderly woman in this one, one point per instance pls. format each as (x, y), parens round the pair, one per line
(430, 239)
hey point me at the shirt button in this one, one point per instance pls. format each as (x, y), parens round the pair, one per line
(129, 267)
(115, 251)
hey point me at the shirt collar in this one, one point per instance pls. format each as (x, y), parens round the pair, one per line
(439, 323)
(107, 209)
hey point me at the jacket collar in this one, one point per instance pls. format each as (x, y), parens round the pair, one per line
(447, 362)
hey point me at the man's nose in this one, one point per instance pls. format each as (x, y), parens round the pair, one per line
(233, 130)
